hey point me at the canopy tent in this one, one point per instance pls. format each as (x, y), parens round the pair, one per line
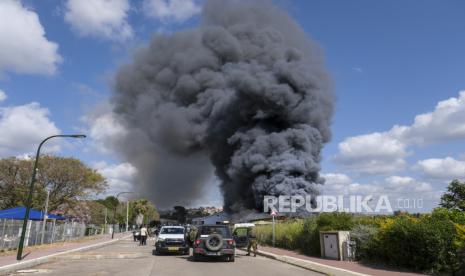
(20, 212)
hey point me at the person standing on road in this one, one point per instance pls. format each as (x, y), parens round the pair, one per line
(143, 235)
(134, 235)
(191, 236)
(252, 241)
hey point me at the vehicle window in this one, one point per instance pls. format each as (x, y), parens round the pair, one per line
(172, 231)
(240, 232)
(223, 231)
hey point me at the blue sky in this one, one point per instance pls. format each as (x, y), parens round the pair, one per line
(390, 61)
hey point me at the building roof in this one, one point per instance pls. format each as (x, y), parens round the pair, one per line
(218, 217)
(19, 213)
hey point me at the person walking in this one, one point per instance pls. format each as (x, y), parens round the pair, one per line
(134, 232)
(143, 235)
(252, 241)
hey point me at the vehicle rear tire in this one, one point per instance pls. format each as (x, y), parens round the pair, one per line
(232, 258)
(214, 242)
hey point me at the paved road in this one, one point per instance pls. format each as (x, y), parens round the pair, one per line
(127, 258)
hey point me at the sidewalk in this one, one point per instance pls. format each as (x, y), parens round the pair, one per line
(350, 266)
(30, 254)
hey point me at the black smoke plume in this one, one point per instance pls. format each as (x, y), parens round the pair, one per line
(246, 91)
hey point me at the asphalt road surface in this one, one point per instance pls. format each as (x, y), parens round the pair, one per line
(128, 258)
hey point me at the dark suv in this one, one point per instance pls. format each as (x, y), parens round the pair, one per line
(214, 241)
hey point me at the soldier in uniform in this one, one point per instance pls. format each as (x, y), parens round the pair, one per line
(252, 241)
(191, 236)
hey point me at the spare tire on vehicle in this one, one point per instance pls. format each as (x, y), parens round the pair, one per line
(214, 242)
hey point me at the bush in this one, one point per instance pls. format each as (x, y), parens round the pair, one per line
(430, 243)
(425, 244)
(459, 242)
(364, 235)
(303, 235)
(454, 215)
(287, 234)
(375, 221)
(334, 221)
(310, 238)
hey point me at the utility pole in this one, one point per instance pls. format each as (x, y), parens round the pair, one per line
(114, 213)
(105, 227)
(45, 218)
(127, 216)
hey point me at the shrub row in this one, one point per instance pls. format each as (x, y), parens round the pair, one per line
(428, 243)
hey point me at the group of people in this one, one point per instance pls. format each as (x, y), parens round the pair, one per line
(143, 234)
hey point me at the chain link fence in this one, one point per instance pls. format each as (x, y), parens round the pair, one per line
(10, 232)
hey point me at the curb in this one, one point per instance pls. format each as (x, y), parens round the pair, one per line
(309, 265)
(4, 270)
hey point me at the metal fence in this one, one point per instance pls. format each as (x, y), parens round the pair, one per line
(10, 232)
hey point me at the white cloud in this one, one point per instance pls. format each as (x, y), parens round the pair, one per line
(406, 185)
(120, 177)
(337, 178)
(171, 10)
(104, 129)
(446, 169)
(2, 96)
(23, 127)
(443, 124)
(99, 18)
(339, 183)
(23, 45)
(375, 153)
(384, 152)
(401, 191)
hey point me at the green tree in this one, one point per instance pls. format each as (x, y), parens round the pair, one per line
(454, 198)
(67, 179)
(115, 209)
(110, 202)
(97, 212)
(145, 208)
(15, 175)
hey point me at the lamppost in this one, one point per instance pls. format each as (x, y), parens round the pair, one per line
(31, 190)
(45, 218)
(114, 214)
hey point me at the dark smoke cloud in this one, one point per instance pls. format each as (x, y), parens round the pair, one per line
(246, 92)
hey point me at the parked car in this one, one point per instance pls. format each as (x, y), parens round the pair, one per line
(171, 239)
(214, 241)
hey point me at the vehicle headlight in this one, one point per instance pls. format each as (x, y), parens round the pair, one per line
(161, 239)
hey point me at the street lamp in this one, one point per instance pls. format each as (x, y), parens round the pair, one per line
(31, 190)
(114, 214)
